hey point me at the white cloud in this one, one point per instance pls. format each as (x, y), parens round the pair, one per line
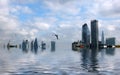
(21, 9)
(65, 25)
(111, 27)
(23, 32)
(42, 26)
(27, 10)
(68, 7)
(4, 7)
(8, 23)
(107, 8)
(33, 33)
(24, 1)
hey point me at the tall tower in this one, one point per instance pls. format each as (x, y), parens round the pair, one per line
(94, 34)
(85, 35)
(102, 38)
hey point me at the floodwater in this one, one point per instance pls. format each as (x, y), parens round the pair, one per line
(61, 61)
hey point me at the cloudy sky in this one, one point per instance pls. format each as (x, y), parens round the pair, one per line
(27, 19)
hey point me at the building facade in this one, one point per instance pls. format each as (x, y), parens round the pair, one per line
(94, 34)
(85, 35)
(110, 41)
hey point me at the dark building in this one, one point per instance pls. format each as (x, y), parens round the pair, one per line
(110, 42)
(85, 35)
(32, 45)
(24, 46)
(43, 45)
(52, 45)
(35, 44)
(94, 34)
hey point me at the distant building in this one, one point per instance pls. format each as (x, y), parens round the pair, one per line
(102, 38)
(77, 45)
(25, 46)
(110, 41)
(85, 35)
(94, 34)
(32, 45)
(52, 45)
(35, 44)
(43, 45)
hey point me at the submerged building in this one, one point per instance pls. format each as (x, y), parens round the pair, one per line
(85, 35)
(52, 45)
(94, 34)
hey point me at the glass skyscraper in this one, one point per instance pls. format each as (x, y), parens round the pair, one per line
(85, 35)
(94, 34)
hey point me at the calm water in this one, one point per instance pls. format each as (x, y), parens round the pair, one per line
(62, 61)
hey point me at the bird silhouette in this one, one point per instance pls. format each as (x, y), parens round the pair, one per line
(56, 36)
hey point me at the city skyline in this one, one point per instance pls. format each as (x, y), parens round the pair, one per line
(43, 18)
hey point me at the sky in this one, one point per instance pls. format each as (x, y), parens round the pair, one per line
(28, 19)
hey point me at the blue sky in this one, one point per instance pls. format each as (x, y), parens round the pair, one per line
(27, 19)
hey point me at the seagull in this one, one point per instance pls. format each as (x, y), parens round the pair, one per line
(56, 36)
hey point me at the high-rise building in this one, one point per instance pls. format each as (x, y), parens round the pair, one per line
(102, 38)
(94, 34)
(85, 35)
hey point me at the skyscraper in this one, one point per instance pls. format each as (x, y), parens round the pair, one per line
(85, 35)
(94, 34)
(102, 38)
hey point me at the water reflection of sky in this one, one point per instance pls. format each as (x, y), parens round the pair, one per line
(63, 61)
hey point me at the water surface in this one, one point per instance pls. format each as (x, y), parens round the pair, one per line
(62, 61)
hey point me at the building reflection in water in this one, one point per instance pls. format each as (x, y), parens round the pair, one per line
(43, 46)
(90, 57)
(25, 46)
(110, 51)
(94, 60)
(32, 45)
(52, 46)
(102, 53)
(89, 60)
(85, 53)
(35, 44)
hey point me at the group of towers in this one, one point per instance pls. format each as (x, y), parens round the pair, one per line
(93, 38)
(33, 45)
(26, 45)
